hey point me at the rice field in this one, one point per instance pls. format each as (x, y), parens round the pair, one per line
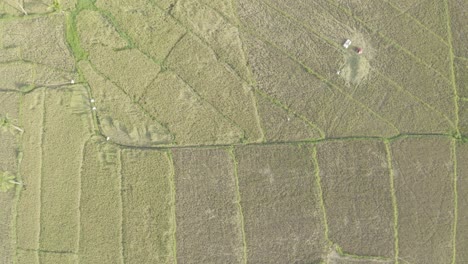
(355, 180)
(233, 131)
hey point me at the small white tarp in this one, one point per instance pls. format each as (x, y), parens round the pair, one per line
(347, 43)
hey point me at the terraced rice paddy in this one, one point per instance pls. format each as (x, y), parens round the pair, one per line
(234, 131)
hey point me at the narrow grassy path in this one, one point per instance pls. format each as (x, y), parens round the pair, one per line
(452, 68)
(122, 229)
(79, 195)
(173, 197)
(14, 208)
(49, 251)
(394, 198)
(318, 183)
(343, 254)
(239, 205)
(42, 168)
(455, 200)
(258, 118)
(290, 142)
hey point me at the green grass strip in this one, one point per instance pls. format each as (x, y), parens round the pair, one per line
(18, 189)
(455, 200)
(72, 38)
(347, 255)
(244, 241)
(71, 35)
(121, 179)
(394, 199)
(41, 185)
(452, 69)
(318, 182)
(173, 197)
(258, 118)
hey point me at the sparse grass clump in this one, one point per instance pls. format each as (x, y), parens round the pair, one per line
(7, 124)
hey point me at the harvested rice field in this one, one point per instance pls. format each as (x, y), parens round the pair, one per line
(233, 131)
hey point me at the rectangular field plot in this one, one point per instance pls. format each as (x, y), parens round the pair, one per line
(401, 106)
(191, 119)
(423, 173)
(29, 203)
(202, 19)
(120, 118)
(148, 213)
(280, 124)
(429, 13)
(321, 17)
(207, 213)
(283, 221)
(198, 66)
(156, 40)
(288, 82)
(356, 192)
(292, 37)
(64, 136)
(130, 69)
(413, 76)
(394, 26)
(100, 205)
(42, 40)
(461, 242)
